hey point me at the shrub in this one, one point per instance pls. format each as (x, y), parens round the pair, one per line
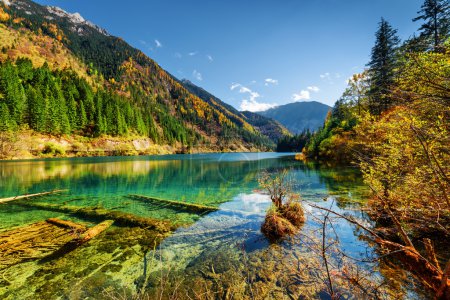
(293, 212)
(53, 149)
(275, 226)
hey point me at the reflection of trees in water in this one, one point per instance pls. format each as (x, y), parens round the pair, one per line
(190, 177)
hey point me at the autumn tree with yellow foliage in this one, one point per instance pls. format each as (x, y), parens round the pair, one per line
(403, 151)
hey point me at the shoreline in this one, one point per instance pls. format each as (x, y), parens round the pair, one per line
(29, 145)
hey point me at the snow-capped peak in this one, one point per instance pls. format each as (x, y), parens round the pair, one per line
(74, 18)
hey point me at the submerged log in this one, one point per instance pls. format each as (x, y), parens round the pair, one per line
(31, 242)
(67, 224)
(197, 208)
(4, 200)
(94, 231)
(120, 218)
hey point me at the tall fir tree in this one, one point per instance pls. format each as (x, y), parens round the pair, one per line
(381, 68)
(435, 29)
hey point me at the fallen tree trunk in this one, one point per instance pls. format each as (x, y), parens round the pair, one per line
(94, 231)
(31, 242)
(197, 208)
(4, 200)
(120, 218)
(67, 224)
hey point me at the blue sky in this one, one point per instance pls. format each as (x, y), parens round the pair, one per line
(254, 54)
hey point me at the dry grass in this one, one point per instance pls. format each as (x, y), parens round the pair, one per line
(293, 212)
(275, 226)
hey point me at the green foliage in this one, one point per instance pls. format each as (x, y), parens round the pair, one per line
(59, 102)
(294, 143)
(435, 29)
(381, 67)
(53, 149)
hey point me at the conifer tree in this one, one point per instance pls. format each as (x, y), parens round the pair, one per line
(37, 110)
(381, 68)
(435, 29)
(5, 118)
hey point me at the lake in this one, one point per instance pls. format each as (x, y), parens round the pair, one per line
(222, 253)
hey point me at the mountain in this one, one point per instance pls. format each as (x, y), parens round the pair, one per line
(86, 82)
(267, 126)
(299, 116)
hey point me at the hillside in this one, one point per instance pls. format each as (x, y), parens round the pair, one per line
(95, 85)
(267, 126)
(299, 116)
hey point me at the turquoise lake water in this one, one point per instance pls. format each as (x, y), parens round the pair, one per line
(211, 248)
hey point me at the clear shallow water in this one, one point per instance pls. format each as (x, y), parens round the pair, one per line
(228, 241)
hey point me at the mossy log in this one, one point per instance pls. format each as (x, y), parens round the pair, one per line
(94, 231)
(4, 200)
(67, 224)
(43, 240)
(120, 218)
(196, 208)
(31, 242)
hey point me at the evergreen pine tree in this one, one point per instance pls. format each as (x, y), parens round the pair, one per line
(435, 29)
(83, 121)
(5, 118)
(381, 67)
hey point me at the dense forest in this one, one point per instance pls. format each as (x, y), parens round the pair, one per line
(393, 122)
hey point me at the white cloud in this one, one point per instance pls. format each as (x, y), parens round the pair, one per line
(158, 44)
(269, 81)
(178, 55)
(314, 89)
(250, 102)
(253, 105)
(325, 75)
(193, 53)
(302, 95)
(197, 75)
(234, 86)
(210, 58)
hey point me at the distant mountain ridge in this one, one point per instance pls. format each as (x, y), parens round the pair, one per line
(267, 126)
(299, 116)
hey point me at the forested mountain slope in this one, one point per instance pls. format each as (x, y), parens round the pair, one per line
(78, 79)
(267, 126)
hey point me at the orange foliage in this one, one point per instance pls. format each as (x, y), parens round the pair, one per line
(3, 15)
(18, 20)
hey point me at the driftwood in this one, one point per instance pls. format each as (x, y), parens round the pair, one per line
(120, 218)
(4, 200)
(197, 208)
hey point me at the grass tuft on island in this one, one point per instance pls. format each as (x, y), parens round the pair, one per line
(286, 215)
